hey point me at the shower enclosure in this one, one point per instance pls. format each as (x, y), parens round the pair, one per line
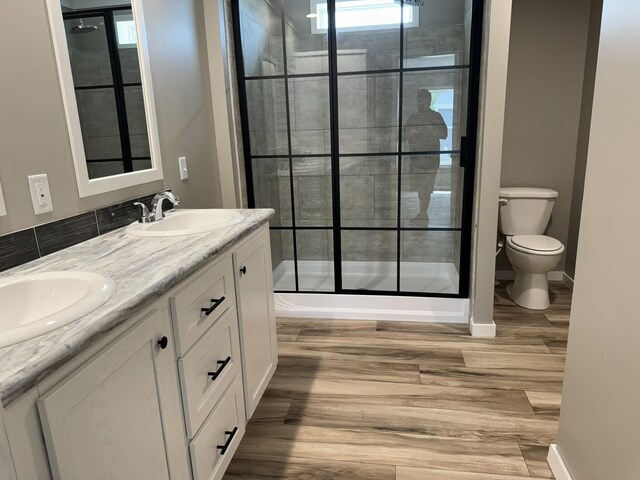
(359, 121)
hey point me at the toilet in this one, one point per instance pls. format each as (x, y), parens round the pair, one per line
(524, 215)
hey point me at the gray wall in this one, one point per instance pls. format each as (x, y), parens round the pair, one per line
(33, 133)
(599, 432)
(544, 99)
(583, 137)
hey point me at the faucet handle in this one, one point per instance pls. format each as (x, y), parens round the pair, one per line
(145, 215)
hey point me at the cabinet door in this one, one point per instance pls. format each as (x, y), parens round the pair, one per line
(119, 417)
(7, 471)
(254, 287)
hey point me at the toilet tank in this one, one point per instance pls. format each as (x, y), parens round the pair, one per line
(525, 211)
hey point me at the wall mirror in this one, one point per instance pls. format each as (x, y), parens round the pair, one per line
(105, 77)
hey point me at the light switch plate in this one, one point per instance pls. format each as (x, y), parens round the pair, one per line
(184, 170)
(40, 193)
(3, 208)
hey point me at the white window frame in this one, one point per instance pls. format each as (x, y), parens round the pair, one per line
(319, 9)
(125, 45)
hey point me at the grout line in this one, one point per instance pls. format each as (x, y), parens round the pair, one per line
(95, 214)
(35, 235)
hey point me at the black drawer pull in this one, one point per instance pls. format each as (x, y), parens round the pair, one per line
(163, 342)
(215, 303)
(243, 270)
(223, 364)
(223, 448)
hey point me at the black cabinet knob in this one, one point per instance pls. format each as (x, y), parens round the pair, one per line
(163, 342)
(243, 270)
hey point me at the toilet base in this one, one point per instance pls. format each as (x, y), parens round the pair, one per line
(530, 290)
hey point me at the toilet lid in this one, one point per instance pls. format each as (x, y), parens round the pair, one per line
(539, 243)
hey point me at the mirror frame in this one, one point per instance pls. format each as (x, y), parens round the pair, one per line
(87, 186)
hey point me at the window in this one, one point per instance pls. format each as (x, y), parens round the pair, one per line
(126, 31)
(354, 15)
(442, 102)
(442, 60)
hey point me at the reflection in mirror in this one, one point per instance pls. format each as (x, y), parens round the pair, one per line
(102, 44)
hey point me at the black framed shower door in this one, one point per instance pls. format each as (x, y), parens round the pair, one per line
(359, 121)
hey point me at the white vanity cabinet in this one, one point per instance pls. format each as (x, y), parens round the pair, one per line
(119, 416)
(167, 396)
(254, 280)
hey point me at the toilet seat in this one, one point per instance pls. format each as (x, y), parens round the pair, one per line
(535, 244)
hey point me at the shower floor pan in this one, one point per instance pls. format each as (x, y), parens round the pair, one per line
(317, 276)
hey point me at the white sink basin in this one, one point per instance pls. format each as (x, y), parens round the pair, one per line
(33, 305)
(185, 222)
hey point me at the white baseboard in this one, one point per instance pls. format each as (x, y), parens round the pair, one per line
(567, 280)
(554, 276)
(556, 464)
(482, 329)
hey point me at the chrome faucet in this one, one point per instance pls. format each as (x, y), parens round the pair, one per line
(156, 207)
(156, 204)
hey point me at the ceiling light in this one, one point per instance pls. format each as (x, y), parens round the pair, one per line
(312, 15)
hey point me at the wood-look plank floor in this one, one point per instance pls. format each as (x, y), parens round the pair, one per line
(354, 400)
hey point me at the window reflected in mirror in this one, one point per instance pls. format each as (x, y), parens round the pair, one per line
(103, 51)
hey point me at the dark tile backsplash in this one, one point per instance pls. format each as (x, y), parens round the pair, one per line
(117, 216)
(55, 236)
(28, 245)
(18, 248)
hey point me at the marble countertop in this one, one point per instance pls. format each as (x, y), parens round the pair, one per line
(143, 269)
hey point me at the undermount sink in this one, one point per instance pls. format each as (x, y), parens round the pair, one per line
(186, 222)
(36, 304)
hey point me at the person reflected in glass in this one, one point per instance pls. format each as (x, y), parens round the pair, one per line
(423, 131)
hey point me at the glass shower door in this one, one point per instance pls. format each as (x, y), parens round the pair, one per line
(402, 83)
(358, 132)
(285, 74)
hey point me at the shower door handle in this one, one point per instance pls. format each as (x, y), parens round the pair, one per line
(464, 151)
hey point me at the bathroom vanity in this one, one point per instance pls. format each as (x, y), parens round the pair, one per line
(160, 382)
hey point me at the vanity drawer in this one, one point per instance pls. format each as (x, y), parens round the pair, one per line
(213, 290)
(208, 368)
(219, 437)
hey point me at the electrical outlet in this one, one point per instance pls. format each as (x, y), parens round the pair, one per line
(40, 193)
(184, 170)
(3, 208)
